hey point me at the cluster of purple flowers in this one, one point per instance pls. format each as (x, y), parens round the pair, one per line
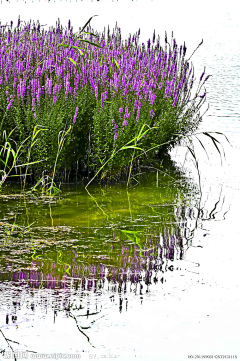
(143, 71)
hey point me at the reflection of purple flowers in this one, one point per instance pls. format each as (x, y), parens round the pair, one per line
(127, 267)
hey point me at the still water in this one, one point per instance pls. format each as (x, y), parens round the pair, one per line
(150, 273)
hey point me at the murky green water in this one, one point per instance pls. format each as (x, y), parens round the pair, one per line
(58, 253)
(107, 228)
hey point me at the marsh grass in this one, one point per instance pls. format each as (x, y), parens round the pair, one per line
(9, 156)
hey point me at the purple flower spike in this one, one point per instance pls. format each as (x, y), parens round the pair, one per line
(207, 78)
(102, 100)
(9, 105)
(153, 37)
(120, 110)
(75, 116)
(33, 103)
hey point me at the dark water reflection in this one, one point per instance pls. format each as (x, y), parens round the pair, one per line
(84, 248)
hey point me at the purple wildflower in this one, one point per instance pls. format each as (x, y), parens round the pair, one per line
(102, 100)
(115, 126)
(75, 116)
(33, 103)
(120, 110)
(152, 113)
(9, 104)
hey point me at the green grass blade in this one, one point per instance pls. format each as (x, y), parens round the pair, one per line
(202, 146)
(23, 165)
(215, 141)
(87, 23)
(76, 65)
(223, 135)
(131, 146)
(85, 32)
(90, 42)
(117, 64)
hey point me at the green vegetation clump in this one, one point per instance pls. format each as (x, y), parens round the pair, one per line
(103, 104)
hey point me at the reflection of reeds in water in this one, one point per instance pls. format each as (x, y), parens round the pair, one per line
(125, 262)
(128, 268)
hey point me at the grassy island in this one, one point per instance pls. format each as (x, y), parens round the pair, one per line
(90, 102)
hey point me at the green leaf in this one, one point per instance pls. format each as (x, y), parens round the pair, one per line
(117, 64)
(90, 42)
(76, 65)
(214, 140)
(87, 23)
(131, 146)
(85, 32)
(23, 165)
(142, 82)
(202, 146)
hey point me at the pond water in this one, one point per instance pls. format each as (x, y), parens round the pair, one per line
(145, 273)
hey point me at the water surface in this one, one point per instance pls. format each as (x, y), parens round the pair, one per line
(149, 273)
